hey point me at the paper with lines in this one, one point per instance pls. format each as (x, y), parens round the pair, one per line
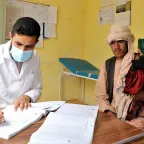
(16, 121)
(72, 123)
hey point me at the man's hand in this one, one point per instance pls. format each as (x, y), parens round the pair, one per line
(137, 122)
(1, 117)
(110, 113)
(23, 102)
(139, 52)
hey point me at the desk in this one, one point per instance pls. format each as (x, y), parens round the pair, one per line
(107, 130)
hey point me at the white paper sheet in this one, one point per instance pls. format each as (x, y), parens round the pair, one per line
(17, 117)
(41, 13)
(50, 105)
(38, 12)
(16, 121)
(19, 120)
(121, 2)
(65, 127)
(50, 30)
(123, 18)
(14, 9)
(71, 123)
(79, 110)
(52, 14)
(106, 15)
(30, 10)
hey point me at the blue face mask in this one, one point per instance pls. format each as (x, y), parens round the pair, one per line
(19, 55)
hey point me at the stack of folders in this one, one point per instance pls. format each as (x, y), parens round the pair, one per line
(16, 121)
(71, 124)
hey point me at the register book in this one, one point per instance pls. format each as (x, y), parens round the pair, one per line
(19, 120)
(71, 124)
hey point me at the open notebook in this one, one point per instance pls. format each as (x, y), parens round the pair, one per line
(19, 120)
(71, 124)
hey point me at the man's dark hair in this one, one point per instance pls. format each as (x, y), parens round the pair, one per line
(26, 26)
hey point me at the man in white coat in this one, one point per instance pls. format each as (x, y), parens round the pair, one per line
(20, 76)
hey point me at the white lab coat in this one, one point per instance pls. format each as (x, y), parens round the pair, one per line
(14, 84)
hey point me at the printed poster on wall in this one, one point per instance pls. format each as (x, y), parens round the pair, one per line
(106, 15)
(123, 12)
(41, 13)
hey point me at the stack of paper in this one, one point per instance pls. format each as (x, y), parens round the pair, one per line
(19, 120)
(71, 124)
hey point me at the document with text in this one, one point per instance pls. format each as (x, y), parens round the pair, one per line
(16, 121)
(71, 124)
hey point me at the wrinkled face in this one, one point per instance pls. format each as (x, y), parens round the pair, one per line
(23, 42)
(119, 48)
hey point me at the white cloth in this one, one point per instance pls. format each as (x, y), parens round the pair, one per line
(14, 84)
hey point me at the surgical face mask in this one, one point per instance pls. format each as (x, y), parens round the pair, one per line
(19, 55)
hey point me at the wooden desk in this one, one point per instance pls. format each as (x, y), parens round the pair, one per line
(107, 130)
